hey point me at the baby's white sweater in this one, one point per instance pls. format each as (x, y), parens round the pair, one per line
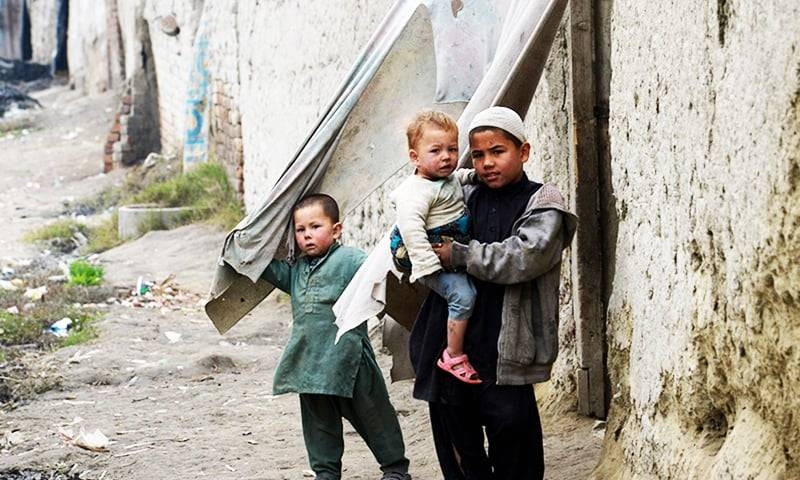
(423, 204)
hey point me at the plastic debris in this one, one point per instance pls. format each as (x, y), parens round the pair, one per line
(94, 441)
(163, 296)
(59, 328)
(36, 294)
(173, 337)
(142, 286)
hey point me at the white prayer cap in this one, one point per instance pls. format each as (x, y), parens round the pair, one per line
(502, 118)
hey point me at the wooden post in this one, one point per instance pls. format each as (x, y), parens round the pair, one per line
(587, 262)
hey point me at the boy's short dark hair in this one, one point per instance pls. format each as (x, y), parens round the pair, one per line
(513, 139)
(329, 206)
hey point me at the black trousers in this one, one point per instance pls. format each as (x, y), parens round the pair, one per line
(510, 418)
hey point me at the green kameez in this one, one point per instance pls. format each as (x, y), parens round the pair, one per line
(334, 381)
(311, 362)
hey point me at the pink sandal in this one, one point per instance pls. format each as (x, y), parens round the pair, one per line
(466, 373)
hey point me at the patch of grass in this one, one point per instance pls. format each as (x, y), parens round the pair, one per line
(19, 329)
(60, 230)
(205, 188)
(84, 273)
(228, 215)
(23, 336)
(82, 330)
(15, 126)
(34, 317)
(104, 236)
(29, 326)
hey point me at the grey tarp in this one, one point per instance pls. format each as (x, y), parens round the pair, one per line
(510, 80)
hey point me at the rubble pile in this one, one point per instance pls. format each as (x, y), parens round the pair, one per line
(162, 295)
(12, 98)
(17, 79)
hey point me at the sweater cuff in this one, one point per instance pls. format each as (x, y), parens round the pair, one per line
(458, 254)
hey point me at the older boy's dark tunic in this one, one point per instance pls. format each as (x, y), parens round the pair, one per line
(460, 411)
(493, 212)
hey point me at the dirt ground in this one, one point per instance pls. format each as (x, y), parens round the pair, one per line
(176, 399)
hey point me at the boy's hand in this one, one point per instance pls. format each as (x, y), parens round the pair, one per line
(443, 250)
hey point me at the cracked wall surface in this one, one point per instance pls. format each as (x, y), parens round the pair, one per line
(87, 45)
(703, 320)
(44, 16)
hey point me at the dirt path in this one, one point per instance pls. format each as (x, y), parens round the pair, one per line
(198, 406)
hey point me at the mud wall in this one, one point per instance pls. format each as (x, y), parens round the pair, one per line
(44, 15)
(172, 56)
(703, 322)
(87, 45)
(271, 66)
(11, 29)
(548, 128)
(292, 57)
(225, 118)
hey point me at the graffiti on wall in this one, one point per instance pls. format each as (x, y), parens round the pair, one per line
(195, 142)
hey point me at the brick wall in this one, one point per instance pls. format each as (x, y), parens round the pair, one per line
(226, 133)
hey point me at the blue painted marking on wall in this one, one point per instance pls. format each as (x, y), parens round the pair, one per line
(195, 142)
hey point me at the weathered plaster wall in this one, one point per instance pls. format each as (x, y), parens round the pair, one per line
(130, 18)
(548, 128)
(10, 29)
(292, 57)
(87, 45)
(703, 320)
(172, 56)
(44, 14)
(225, 118)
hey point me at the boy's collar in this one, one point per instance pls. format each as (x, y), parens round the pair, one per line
(511, 187)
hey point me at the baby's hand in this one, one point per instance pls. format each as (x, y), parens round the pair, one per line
(443, 250)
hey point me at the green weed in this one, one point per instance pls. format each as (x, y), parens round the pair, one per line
(81, 331)
(84, 273)
(204, 188)
(18, 329)
(60, 230)
(104, 236)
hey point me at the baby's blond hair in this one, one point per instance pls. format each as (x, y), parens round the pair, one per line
(427, 118)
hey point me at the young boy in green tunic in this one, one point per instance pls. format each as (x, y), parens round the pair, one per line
(333, 380)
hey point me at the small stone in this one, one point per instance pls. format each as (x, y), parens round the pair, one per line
(36, 294)
(169, 25)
